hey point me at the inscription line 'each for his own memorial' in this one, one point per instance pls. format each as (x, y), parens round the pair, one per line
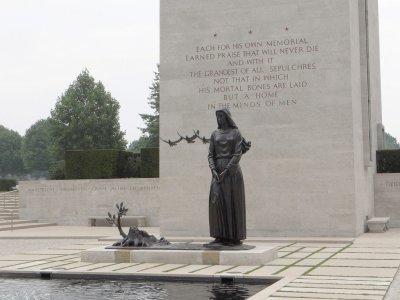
(250, 75)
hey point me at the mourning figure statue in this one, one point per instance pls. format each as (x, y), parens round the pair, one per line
(227, 211)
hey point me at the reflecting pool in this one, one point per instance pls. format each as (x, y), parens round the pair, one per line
(65, 289)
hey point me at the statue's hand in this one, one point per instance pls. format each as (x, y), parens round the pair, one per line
(215, 174)
(222, 175)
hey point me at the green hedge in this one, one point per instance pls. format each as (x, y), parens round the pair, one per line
(388, 161)
(7, 184)
(57, 170)
(101, 164)
(150, 164)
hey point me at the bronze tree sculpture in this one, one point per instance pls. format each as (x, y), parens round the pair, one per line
(135, 236)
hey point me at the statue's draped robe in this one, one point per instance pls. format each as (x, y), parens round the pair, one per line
(227, 212)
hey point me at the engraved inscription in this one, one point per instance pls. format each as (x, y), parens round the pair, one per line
(97, 188)
(253, 74)
(392, 184)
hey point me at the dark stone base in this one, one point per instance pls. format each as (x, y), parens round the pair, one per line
(188, 246)
(218, 246)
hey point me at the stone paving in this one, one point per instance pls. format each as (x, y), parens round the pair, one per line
(358, 269)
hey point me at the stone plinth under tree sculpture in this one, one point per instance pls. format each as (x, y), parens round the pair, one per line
(140, 239)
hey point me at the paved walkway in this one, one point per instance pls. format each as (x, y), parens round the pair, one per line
(358, 269)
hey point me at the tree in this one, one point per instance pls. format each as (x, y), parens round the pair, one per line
(390, 142)
(36, 147)
(10, 152)
(86, 117)
(151, 133)
(136, 145)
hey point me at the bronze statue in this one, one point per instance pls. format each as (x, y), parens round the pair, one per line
(227, 211)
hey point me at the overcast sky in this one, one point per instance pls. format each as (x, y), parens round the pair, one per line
(45, 44)
(389, 28)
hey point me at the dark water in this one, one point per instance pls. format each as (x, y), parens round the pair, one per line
(57, 289)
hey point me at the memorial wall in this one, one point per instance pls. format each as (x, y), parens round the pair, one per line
(387, 191)
(72, 202)
(301, 79)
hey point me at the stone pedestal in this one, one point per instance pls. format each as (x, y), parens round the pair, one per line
(257, 256)
(378, 225)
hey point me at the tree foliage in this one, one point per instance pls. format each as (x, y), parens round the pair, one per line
(57, 170)
(151, 133)
(136, 145)
(390, 142)
(86, 117)
(10, 152)
(37, 147)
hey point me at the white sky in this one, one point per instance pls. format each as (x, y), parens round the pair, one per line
(389, 28)
(45, 44)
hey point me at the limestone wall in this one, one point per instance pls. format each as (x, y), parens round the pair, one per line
(71, 202)
(301, 84)
(387, 197)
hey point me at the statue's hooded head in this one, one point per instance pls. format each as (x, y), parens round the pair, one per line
(228, 116)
